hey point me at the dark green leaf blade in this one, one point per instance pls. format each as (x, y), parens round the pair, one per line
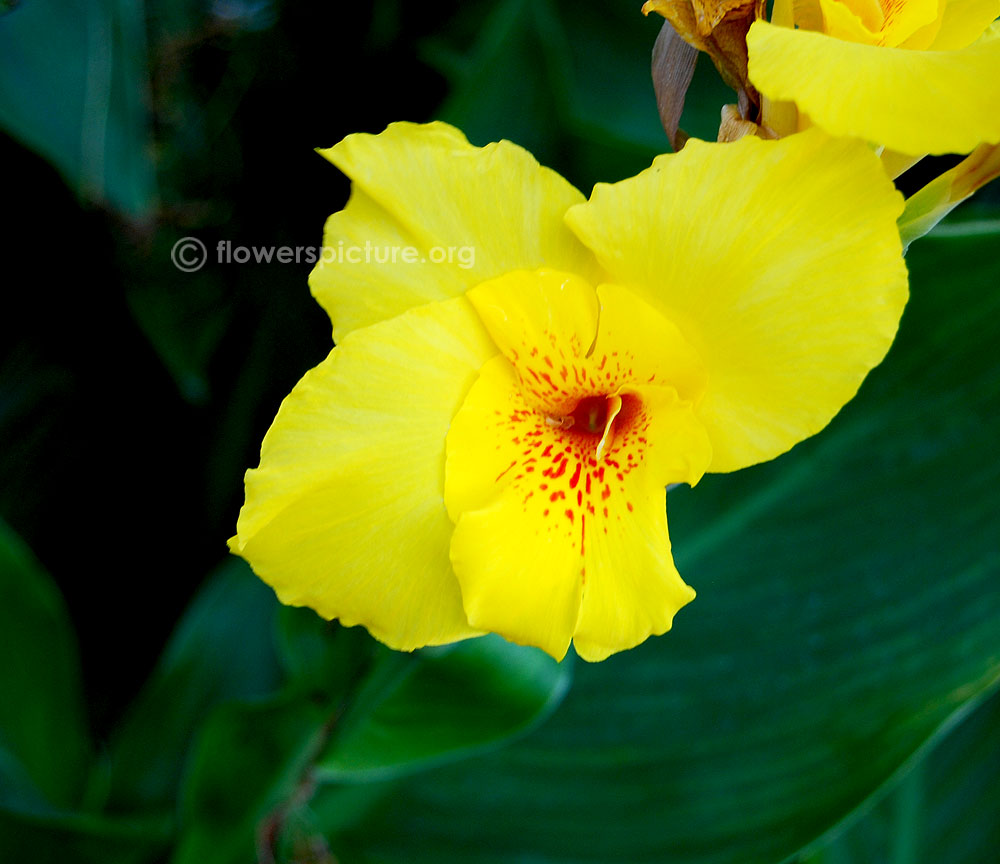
(944, 810)
(848, 606)
(222, 650)
(441, 705)
(72, 88)
(44, 745)
(251, 759)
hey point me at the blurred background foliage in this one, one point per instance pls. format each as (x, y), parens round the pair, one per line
(828, 699)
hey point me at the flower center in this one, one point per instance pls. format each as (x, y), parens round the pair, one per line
(590, 415)
(598, 418)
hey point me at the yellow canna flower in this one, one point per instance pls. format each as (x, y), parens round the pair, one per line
(913, 76)
(487, 447)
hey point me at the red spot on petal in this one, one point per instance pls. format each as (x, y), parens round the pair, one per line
(629, 505)
(569, 515)
(576, 476)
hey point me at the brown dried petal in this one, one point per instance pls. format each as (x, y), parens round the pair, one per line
(672, 69)
(719, 28)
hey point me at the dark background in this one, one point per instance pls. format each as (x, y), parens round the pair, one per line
(127, 479)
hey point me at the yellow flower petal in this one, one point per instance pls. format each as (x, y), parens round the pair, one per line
(455, 215)
(513, 550)
(842, 21)
(528, 486)
(911, 22)
(544, 322)
(911, 101)
(964, 22)
(787, 281)
(631, 588)
(914, 23)
(550, 324)
(652, 346)
(345, 513)
(497, 461)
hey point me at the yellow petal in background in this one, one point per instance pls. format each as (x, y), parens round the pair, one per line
(858, 22)
(462, 214)
(964, 22)
(786, 280)
(346, 513)
(914, 102)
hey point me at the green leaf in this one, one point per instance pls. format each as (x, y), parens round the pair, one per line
(45, 752)
(440, 705)
(506, 73)
(222, 650)
(184, 316)
(72, 88)
(319, 656)
(848, 606)
(946, 808)
(277, 773)
(251, 762)
(927, 207)
(80, 838)
(44, 746)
